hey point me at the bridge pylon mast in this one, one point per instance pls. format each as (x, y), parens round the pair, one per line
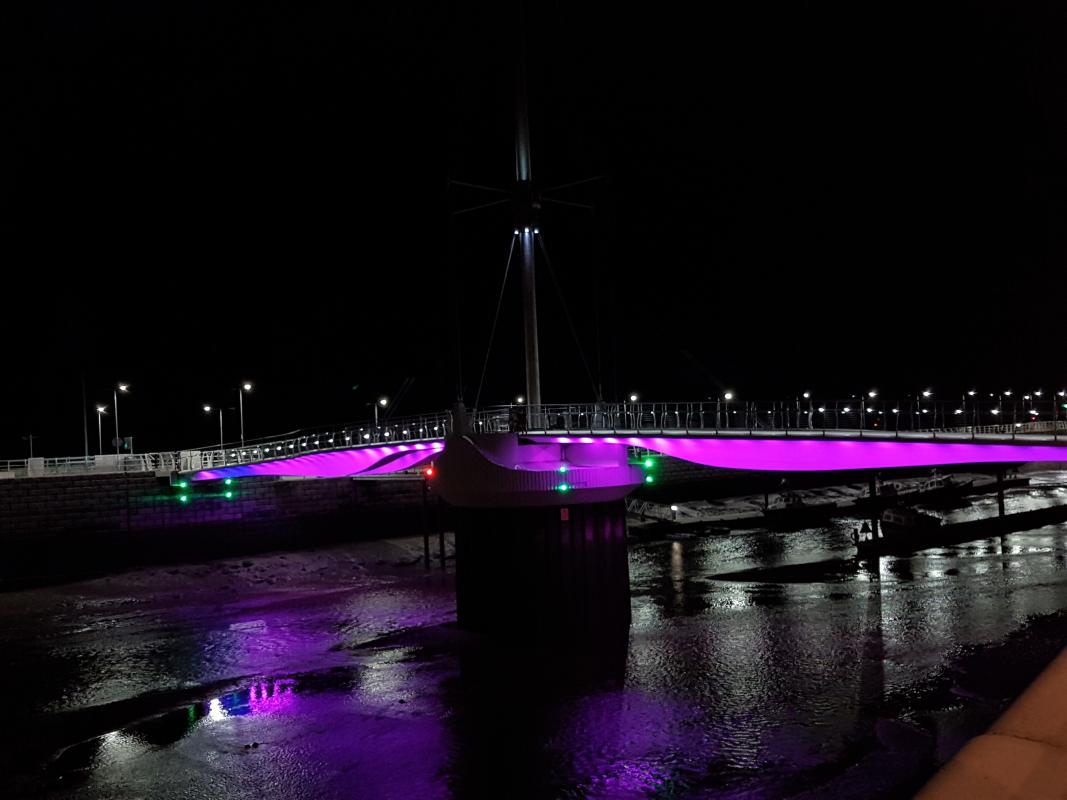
(527, 204)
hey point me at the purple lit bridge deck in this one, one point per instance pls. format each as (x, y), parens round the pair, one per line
(766, 450)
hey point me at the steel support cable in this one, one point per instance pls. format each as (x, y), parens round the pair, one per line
(567, 314)
(568, 203)
(479, 186)
(496, 317)
(569, 184)
(480, 207)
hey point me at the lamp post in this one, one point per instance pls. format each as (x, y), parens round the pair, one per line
(1055, 412)
(124, 388)
(245, 387)
(873, 393)
(727, 397)
(100, 411)
(926, 394)
(222, 439)
(383, 402)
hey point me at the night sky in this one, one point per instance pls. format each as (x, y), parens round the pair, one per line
(802, 195)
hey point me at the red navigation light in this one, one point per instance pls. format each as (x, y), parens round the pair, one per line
(429, 472)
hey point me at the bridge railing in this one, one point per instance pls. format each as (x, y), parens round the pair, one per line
(875, 418)
(400, 430)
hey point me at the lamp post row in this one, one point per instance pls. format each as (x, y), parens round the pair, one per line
(916, 411)
(383, 402)
(246, 387)
(124, 388)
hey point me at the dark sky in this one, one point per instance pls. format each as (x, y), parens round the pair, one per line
(796, 195)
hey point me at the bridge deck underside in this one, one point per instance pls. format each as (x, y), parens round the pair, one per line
(766, 452)
(379, 460)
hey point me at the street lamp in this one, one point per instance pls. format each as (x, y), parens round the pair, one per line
(633, 397)
(100, 411)
(927, 394)
(864, 410)
(520, 400)
(124, 388)
(222, 439)
(382, 402)
(245, 387)
(727, 396)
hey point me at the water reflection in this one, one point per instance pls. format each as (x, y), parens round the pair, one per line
(761, 687)
(262, 697)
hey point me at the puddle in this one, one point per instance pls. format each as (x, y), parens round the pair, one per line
(258, 697)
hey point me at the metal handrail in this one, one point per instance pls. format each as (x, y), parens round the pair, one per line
(426, 427)
(841, 419)
(875, 420)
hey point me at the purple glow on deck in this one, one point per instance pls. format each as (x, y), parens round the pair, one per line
(402, 462)
(377, 460)
(773, 455)
(817, 455)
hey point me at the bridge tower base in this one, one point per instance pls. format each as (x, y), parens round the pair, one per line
(556, 573)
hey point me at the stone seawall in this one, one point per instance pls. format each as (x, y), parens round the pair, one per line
(52, 528)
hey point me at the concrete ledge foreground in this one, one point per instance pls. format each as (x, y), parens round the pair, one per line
(1024, 754)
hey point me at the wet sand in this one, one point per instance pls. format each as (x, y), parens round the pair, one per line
(340, 671)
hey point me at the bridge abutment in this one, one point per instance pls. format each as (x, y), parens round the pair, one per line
(556, 573)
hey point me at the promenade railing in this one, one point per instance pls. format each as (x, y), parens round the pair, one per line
(1034, 420)
(876, 419)
(393, 431)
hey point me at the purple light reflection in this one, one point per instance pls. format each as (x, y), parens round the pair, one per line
(774, 455)
(334, 464)
(266, 696)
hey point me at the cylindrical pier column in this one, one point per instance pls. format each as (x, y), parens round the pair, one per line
(550, 573)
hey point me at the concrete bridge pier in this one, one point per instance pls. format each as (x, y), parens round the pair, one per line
(544, 574)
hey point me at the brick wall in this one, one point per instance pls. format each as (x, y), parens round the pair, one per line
(57, 526)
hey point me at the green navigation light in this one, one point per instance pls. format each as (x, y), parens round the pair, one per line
(184, 498)
(649, 479)
(563, 488)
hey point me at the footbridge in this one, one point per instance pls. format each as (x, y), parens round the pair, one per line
(575, 437)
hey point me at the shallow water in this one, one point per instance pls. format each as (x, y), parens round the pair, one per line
(338, 673)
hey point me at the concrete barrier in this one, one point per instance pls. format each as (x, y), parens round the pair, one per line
(1023, 756)
(59, 527)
